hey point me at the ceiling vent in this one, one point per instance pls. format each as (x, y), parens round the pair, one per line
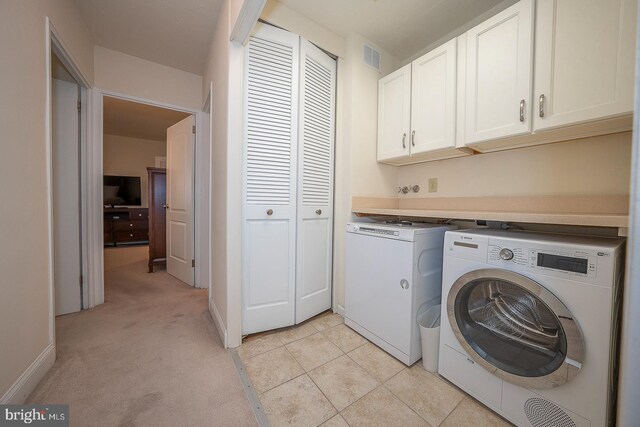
(371, 57)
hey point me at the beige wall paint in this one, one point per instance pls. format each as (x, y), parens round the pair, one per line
(131, 157)
(597, 165)
(25, 317)
(125, 74)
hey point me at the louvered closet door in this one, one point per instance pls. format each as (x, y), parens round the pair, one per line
(315, 181)
(269, 188)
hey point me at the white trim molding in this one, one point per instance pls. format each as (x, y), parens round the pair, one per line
(217, 320)
(247, 18)
(27, 382)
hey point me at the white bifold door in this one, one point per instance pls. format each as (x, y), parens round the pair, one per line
(288, 180)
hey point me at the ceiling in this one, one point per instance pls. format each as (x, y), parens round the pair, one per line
(135, 120)
(176, 33)
(402, 28)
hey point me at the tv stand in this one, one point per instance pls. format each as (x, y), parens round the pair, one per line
(126, 226)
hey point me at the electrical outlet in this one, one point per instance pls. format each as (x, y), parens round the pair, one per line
(433, 185)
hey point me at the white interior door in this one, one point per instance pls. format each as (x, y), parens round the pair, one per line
(315, 177)
(433, 100)
(499, 75)
(66, 196)
(180, 146)
(269, 187)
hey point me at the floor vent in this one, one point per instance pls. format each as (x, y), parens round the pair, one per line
(542, 413)
(371, 57)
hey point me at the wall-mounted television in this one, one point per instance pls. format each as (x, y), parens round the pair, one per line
(122, 190)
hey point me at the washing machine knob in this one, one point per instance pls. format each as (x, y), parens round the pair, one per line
(506, 254)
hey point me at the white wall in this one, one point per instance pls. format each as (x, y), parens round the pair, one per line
(597, 165)
(129, 75)
(26, 328)
(130, 157)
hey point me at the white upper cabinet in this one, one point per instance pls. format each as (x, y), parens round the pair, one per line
(417, 110)
(585, 54)
(433, 100)
(499, 75)
(394, 114)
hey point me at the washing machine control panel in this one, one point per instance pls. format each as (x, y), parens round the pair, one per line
(551, 262)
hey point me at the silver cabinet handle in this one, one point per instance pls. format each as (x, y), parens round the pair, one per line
(522, 110)
(319, 212)
(404, 137)
(270, 212)
(541, 105)
(413, 138)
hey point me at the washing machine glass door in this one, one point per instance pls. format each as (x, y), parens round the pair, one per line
(515, 328)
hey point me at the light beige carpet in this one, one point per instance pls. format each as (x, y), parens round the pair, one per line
(149, 356)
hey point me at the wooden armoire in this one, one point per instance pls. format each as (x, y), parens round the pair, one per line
(157, 216)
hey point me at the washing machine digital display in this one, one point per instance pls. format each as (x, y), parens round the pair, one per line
(565, 263)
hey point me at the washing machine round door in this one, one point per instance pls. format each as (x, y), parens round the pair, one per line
(515, 328)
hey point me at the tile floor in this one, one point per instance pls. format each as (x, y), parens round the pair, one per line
(323, 373)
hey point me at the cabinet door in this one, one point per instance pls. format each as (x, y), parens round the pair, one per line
(433, 100)
(269, 190)
(394, 114)
(499, 73)
(315, 181)
(585, 53)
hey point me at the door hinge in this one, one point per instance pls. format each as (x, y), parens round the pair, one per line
(193, 129)
(193, 263)
(79, 106)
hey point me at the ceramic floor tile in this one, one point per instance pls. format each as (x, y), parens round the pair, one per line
(313, 351)
(297, 403)
(343, 381)
(431, 397)
(254, 346)
(326, 321)
(376, 362)
(295, 333)
(271, 369)
(470, 413)
(336, 421)
(344, 337)
(381, 408)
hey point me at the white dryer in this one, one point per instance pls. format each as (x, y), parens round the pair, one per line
(529, 324)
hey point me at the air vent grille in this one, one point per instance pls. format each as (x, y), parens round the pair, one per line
(542, 413)
(371, 57)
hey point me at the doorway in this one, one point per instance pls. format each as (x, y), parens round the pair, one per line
(148, 190)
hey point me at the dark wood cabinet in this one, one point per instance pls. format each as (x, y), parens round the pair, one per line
(157, 216)
(126, 225)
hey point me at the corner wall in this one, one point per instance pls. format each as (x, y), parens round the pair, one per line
(27, 344)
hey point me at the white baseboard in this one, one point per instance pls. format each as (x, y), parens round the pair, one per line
(217, 320)
(340, 310)
(22, 388)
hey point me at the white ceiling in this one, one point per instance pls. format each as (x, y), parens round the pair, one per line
(135, 120)
(176, 33)
(402, 28)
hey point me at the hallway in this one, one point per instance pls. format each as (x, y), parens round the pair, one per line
(149, 356)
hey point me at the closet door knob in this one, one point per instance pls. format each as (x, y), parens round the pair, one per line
(319, 211)
(165, 206)
(270, 212)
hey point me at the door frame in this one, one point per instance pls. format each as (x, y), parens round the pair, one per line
(54, 43)
(95, 197)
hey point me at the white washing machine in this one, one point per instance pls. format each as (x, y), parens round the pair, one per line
(393, 274)
(529, 324)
